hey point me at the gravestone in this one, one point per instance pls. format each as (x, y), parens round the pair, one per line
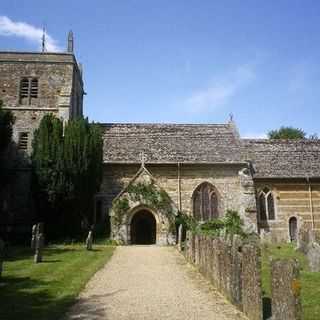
(89, 240)
(34, 237)
(285, 290)
(39, 243)
(313, 255)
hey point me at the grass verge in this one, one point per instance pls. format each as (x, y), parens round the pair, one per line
(46, 290)
(310, 281)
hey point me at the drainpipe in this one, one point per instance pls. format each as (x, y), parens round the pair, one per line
(179, 188)
(310, 202)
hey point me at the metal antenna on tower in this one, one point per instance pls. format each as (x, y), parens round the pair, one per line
(43, 39)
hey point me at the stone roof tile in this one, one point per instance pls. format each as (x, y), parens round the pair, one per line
(283, 158)
(171, 143)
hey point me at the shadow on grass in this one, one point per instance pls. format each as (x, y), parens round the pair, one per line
(92, 308)
(26, 298)
(23, 253)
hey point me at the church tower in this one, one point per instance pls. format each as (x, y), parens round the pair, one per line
(33, 84)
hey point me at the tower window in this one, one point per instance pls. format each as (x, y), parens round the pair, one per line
(23, 141)
(28, 90)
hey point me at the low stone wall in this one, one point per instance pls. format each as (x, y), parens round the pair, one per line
(234, 268)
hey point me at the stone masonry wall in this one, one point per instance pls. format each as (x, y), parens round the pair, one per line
(234, 269)
(224, 177)
(59, 82)
(292, 199)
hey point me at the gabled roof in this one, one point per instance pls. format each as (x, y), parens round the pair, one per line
(210, 143)
(171, 143)
(283, 158)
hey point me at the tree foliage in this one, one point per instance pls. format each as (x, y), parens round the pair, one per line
(287, 133)
(6, 123)
(67, 166)
(231, 224)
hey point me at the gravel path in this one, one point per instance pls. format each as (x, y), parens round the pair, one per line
(151, 283)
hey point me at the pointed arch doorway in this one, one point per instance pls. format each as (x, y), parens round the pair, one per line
(293, 229)
(143, 227)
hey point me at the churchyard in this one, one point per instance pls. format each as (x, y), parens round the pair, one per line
(310, 281)
(46, 290)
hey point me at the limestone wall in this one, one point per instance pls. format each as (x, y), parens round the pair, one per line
(59, 83)
(234, 269)
(293, 199)
(231, 191)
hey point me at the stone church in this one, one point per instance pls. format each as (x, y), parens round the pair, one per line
(204, 169)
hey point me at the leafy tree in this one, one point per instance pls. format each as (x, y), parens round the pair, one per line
(83, 166)
(287, 133)
(6, 123)
(67, 172)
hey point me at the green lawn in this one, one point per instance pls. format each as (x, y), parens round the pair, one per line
(310, 281)
(46, 290)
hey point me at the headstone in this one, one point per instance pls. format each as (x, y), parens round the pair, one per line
(305, 237)
(39, 242)
(34, 237)
(313, 255)
(285, 290)
(89, 241)
(39, 248)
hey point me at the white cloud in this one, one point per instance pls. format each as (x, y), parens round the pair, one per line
(221, 90)
(24, 30)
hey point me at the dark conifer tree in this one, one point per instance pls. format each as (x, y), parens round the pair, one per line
(68, 172)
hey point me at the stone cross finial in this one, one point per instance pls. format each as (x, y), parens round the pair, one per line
(70, 42)
(143, 158)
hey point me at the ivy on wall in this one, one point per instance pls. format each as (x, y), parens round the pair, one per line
(147, 194)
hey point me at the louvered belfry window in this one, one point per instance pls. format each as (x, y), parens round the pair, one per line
(28, 90)
(23, 141)
(205, 202)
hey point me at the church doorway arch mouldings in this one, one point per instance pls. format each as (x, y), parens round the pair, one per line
(143, 226)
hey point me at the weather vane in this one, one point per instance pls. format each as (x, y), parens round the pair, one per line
(43, 39)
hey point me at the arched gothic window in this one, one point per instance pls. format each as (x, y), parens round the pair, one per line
(205, 202)
(266, 205)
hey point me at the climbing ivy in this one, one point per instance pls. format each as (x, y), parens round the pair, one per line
(147, 194)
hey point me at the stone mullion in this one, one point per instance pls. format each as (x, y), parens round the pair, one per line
(29, 91)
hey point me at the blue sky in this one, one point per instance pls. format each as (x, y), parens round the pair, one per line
(185, 61)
